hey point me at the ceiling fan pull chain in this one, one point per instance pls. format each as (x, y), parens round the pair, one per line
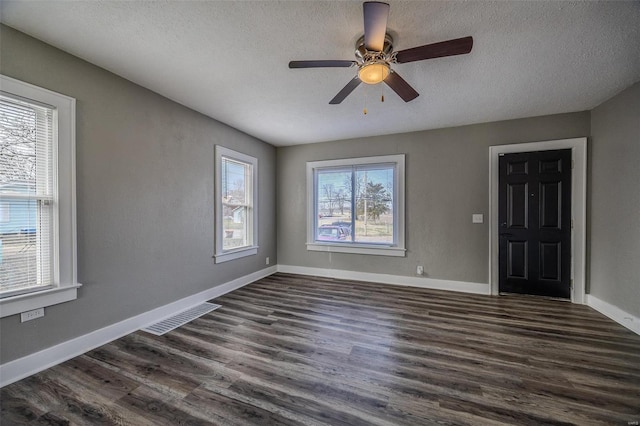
(364, 92)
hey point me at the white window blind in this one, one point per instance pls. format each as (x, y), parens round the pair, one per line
(27, 195)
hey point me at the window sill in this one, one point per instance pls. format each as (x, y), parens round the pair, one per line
(236, 254)
(26, 302)
(357, 249)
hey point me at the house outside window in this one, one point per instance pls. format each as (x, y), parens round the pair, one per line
(356, 205)
(37, 197)
(236, 205)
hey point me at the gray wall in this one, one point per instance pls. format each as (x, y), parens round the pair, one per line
(614, 272)
(447, 180)
(144, 197)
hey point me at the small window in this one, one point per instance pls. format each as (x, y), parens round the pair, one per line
(357, 205)
(236, 205)
(37, 187)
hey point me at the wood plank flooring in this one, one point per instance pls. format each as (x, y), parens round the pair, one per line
(291, 349)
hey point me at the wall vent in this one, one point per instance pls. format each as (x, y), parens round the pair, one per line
(179, 319)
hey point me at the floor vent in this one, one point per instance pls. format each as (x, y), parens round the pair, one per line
(171, 323)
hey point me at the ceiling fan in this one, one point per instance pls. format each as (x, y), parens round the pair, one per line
(374, 55)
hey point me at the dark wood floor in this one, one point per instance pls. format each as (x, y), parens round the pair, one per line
(299, 350)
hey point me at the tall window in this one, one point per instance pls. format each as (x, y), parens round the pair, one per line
(37, 197)
(357, 205)
(26, 187)
(236, 202)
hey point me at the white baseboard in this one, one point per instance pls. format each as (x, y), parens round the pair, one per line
(422, 282)
(26, 366)
(618, 315)
(31, 364)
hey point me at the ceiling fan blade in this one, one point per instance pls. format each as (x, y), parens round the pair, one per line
(346, 90)
(458, 46)
(375, 24)
(321, 64)
(401, 87)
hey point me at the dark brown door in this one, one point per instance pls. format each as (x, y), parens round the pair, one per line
(535, 223)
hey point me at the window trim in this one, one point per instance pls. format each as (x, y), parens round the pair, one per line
(65, 255)
(398, 249)
(222, 255)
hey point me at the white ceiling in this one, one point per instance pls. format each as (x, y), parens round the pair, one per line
(228, 59)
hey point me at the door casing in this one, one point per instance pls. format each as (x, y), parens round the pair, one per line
(578, 148)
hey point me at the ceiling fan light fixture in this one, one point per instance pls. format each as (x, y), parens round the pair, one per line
(374, 72)
(374, 55)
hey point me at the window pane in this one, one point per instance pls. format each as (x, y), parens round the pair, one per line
(234, 227)
(333, 206)
(374, 204)
(25, 246)
(234, 178)
(17, 147)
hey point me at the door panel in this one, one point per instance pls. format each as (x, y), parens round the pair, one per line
(550, 205)
(550, 261)
(518, 168)
(551, 166)
(517, 260)
(518, 205)
(535, 223)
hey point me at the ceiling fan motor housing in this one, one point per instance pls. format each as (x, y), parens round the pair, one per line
(373, 66)
(364, 56)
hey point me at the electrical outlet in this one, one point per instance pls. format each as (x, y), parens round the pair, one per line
(31, 315)
(420, 270)
(267, 261)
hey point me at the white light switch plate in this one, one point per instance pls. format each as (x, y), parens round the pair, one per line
(477, 218)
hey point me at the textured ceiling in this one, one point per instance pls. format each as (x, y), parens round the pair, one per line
(228, 59)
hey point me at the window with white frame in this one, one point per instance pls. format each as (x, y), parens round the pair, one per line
(356, 205)
(236, 205)
(37, 191)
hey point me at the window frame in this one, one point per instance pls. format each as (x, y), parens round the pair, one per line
(64, 256)
(221, 255)
(396, 249)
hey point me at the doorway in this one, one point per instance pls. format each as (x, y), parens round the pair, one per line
(534, 216)
(578, 149)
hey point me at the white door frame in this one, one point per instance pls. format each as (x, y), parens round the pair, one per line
(578, 148)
